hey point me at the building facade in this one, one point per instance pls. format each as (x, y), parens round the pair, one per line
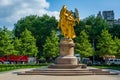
(109, 16)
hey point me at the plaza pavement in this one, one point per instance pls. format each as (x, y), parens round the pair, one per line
(12, 75)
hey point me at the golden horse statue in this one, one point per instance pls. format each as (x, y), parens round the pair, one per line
(67, 23)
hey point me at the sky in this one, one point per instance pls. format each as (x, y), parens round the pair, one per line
(13, 10)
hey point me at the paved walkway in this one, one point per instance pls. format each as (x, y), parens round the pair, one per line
(11, 75)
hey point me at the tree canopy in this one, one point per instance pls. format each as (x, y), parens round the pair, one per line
(115, 30)
(83, 47)
(51, 47)
(117, 42)
(106, 45)
(40, 31)
(28, 46)
(6, 46)
(40, 27)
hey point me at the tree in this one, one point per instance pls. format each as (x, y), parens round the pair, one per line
(83, 47)
(79, 27)
(17, 46)
(93, 26)
(40, 27)
(106, 45)
(6, 46)
(28, 46)
(117, 42)
(115, 30)
(50, 47)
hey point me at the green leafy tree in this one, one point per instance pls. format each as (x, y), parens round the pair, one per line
(17, 46)
(83, 47)
(40, 27)
(117, 42)
(93, 26)
(6, 46)
(115, 30)
(51, 48)
(106, 45)
(79, 27)
(28, 46)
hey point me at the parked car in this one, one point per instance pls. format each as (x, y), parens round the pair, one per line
(113, 61)
(96, 63)
(86, 61)
(6, 62)
(117, 61)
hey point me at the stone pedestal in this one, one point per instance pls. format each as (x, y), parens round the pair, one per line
(66, 47)
(66, 53)
(66, 58)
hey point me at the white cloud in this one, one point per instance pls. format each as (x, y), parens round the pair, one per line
(43, 3)
(5, 2)
(54, 13)
(21, 8)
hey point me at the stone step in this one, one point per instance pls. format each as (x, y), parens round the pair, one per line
(58, 72)
(70, 70)
(67, 66)
(100, 71)
(94, 72)
(95, 69)
(106, 73)
(67, 72)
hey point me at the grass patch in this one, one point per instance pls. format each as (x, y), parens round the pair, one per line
(114, 67)
(8, 67)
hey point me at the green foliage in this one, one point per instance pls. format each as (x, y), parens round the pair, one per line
(40, 27)
(93, 27)
(115, 30)
(117, 42)
(51, 48)
(17, 46)
(6, 46)
(42, 58)
(28, 46)
(79, 27)
(113, 67)
(24, 43)
(106, 45)
(83, 47)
